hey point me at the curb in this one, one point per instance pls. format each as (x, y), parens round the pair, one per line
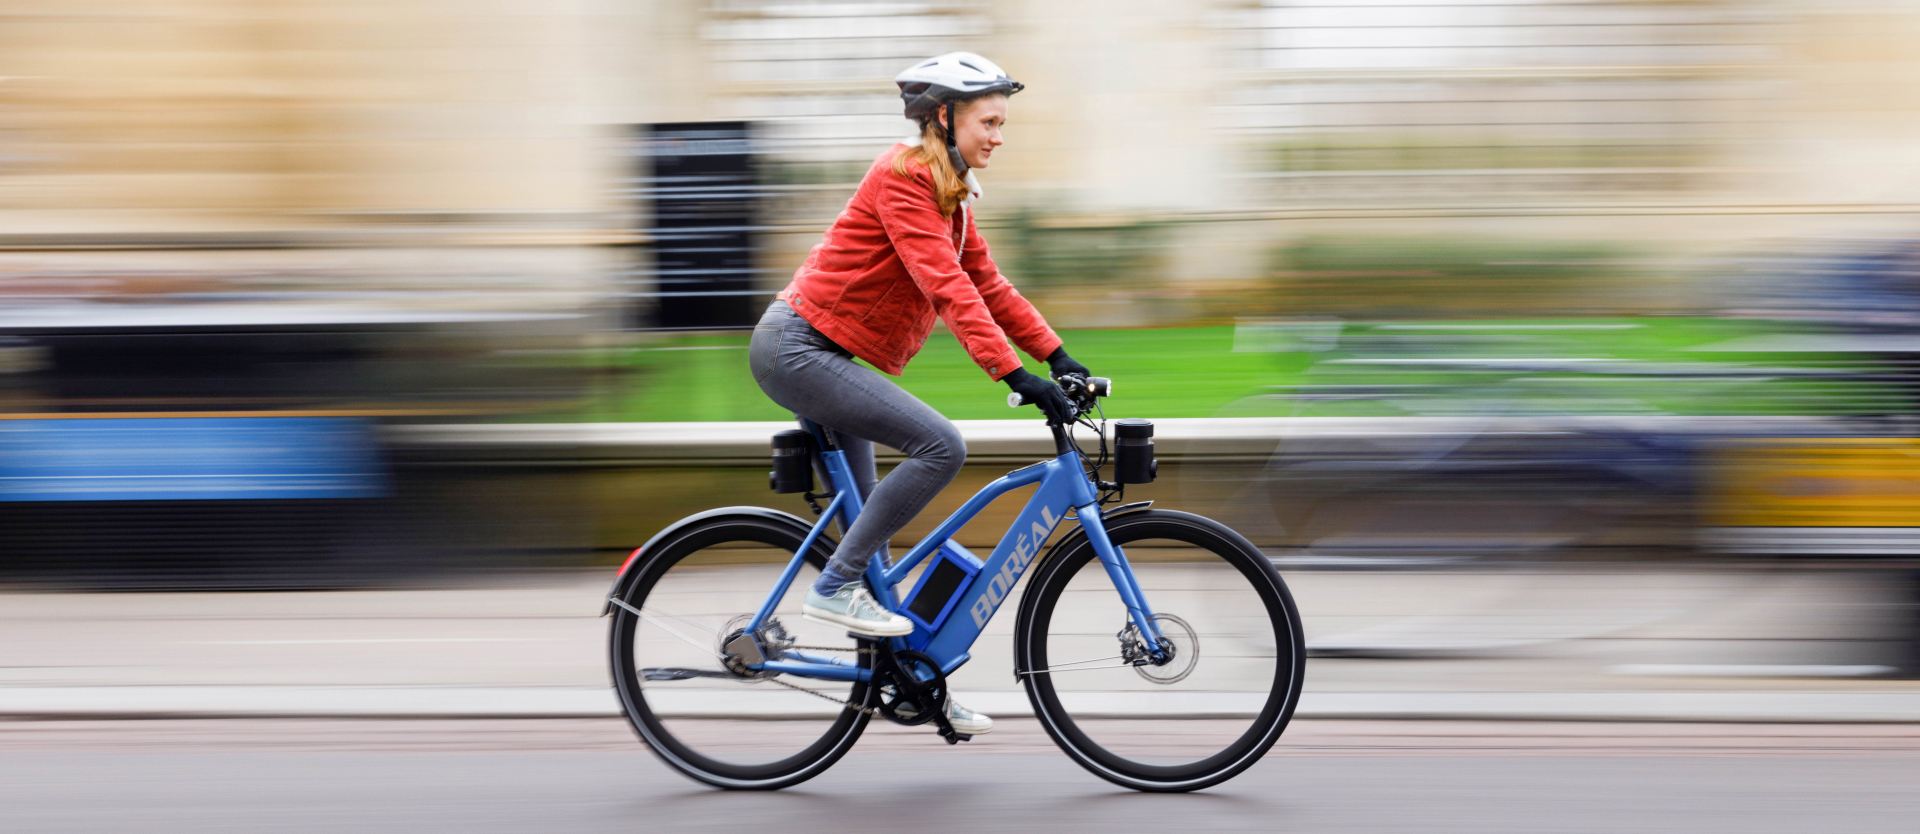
(136, 702)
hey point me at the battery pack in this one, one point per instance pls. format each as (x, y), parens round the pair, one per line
(947, 575)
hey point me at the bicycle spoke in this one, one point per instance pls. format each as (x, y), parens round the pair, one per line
(683, 695)
(1230, 701)
(658, 622)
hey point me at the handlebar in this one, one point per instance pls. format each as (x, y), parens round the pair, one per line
(1081, 391)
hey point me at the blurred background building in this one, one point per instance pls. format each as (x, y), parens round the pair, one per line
(478, 150)
(376, 215)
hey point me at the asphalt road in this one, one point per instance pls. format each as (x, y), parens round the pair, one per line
(590, 775)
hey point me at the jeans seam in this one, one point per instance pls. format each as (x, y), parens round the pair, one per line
(779, 342)
(922, 496)
(843, 373)
(809, 379)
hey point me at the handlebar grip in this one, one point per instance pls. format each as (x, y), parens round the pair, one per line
(1098, 386)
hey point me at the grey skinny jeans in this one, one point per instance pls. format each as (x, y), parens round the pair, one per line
(811, 376)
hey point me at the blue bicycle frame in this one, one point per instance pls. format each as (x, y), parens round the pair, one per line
(946, 634)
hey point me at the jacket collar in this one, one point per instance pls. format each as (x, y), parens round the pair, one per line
(973, 182)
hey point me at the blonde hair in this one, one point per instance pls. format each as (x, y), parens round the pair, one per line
(949, 186)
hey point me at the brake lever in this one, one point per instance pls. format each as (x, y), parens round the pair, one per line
(1075, 387)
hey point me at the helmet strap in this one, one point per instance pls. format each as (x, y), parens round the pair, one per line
(953, 146)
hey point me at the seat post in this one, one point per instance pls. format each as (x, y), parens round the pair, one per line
(820, 434)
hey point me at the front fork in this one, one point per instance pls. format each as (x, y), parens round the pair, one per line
(1121, 573)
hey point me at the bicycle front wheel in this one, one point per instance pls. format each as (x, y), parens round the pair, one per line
(1202, 716)
(679, 679)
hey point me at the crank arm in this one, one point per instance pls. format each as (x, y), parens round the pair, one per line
(681, 673)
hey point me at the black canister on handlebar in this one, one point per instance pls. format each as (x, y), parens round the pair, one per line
(792, 462)
(1133, 461)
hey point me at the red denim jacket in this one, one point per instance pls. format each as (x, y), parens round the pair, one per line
(888, 265)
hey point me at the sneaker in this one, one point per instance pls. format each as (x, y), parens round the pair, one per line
(855, 610)
(965, 721)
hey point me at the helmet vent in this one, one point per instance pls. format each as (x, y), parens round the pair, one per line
(970, 66)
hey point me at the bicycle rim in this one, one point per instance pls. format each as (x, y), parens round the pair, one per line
(731, 731)
(1205, 716)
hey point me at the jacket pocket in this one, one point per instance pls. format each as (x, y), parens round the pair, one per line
(885, 304)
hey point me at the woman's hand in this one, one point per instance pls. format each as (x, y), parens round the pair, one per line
(1061, 365)
(1042, 393)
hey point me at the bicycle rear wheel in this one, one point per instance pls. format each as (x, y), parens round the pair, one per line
(692, 594)
(1199, 719)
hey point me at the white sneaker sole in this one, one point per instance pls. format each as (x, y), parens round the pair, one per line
(971, 729)
(978, 727)
(864, 629)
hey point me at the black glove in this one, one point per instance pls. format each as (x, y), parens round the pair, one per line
(1037, 391)
(1062, 365)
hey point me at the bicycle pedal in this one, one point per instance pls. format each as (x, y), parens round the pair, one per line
(956, 738)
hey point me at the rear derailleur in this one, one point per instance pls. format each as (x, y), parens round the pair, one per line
(741, 650)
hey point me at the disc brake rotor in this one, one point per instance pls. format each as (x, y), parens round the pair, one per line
(1177, 639)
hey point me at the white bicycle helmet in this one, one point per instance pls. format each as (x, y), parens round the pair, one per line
(942, 80)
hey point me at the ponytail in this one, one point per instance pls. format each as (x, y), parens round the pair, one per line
(949, 187)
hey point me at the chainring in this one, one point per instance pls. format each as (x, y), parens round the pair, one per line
(914, 701)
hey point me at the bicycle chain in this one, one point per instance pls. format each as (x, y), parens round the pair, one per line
(869, 711)
(844, 704)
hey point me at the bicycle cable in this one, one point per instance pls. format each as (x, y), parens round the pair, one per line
(1062, 667)
(1109, 491)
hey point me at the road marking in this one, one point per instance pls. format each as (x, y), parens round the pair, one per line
(360, 640)
(1733, 670)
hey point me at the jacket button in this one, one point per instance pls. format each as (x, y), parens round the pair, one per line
(994, 370)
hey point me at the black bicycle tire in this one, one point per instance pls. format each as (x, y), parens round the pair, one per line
(1030, 635)
(806, 764)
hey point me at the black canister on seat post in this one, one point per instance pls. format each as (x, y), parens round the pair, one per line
(792, 462)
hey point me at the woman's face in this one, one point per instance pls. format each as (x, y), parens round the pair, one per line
(979, 134)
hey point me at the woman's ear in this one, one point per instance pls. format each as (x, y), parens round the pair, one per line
(947, 113)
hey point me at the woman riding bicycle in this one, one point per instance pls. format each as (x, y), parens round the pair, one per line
(904, 250)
